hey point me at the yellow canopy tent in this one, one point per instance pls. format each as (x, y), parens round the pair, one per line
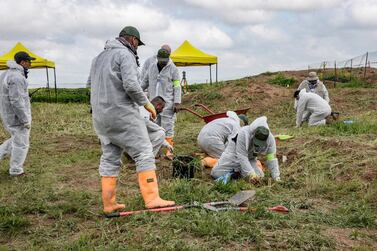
(188, 55)
(39, 62)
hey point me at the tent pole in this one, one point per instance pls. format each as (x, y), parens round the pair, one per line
(56, 89)
(216, 73)
(210, 74)
(48, 85)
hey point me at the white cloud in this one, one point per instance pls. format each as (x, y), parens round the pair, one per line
(364, 13)
(247, 36)
(263, 32)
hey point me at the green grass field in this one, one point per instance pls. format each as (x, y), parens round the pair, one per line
(329, 183)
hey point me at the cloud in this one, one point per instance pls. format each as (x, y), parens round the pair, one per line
(263, 32)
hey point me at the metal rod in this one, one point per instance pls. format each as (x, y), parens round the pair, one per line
(48, 85)
(216, 73)
(365, 68)
(210, 74)
(56, 88)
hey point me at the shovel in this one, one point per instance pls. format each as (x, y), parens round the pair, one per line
(153, 210)
(235, 200)
(232, 203)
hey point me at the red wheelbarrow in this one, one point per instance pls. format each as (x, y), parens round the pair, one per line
(212, 115)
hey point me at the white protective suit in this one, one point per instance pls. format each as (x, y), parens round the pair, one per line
(155, 132)
(115, 99)
(215, 135)
(313, 107)
(147, 64)
(241, 156)
(167, 85)
(320, 89)
(15, 113)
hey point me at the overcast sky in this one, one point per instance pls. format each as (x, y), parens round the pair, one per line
(248, 37)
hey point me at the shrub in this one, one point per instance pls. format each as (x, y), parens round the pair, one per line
(282, 80)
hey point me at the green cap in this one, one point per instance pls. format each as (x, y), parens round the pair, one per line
(131, 31)
(261, 136)
(163, 55)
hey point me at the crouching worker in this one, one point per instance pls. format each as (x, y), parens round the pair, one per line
(155, 132)
(240, 156)
(311, 107)
(115, 98)
(214, 136)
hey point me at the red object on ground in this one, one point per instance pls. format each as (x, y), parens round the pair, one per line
(212, 115)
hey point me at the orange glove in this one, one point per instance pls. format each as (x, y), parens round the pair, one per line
(150, 108)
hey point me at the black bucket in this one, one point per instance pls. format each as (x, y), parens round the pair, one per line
(184, 167)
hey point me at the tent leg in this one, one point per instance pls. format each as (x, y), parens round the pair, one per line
(216, 73)
(210, 74)
(48, 86)
(56, 89)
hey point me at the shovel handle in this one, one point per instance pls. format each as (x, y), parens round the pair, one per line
(153, 210)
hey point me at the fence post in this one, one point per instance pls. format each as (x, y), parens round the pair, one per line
(336, 76)
(365, 68)
(351, 70)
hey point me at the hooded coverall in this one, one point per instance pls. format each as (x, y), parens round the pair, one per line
(315, 108)
(156, 133)
(241, 156)
(151, 60)
(167, 85)
(15, 113)
(320, 89)
(115, 98)
(215, 135)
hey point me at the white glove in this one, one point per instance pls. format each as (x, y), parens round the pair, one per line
(277, 179)
(27, 125)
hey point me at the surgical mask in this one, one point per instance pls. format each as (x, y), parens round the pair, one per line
(162, 64)
(312, 84)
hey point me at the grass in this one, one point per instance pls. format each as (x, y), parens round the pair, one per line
(282, 80)
(64, 95)
(329, 182)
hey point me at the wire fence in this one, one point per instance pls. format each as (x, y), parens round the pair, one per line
(360, 67)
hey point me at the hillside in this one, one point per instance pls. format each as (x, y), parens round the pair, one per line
(329, 181)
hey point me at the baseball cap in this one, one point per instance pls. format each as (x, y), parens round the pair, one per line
(22, 56)
(261, 136)
(131, 31)
(163, 55)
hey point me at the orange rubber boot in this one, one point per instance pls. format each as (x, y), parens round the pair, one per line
(110, 205)
(209, 162)
(169, 154)
(149, 190)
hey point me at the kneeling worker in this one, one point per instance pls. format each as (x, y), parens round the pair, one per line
(214, 137)
(240, 156)
(311, 107)
(155, 132)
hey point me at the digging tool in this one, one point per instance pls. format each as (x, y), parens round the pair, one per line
(233, 204)
(154, 210)
(235, 200)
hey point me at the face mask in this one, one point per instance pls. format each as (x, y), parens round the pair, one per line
(312, 84)
(162, 64)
